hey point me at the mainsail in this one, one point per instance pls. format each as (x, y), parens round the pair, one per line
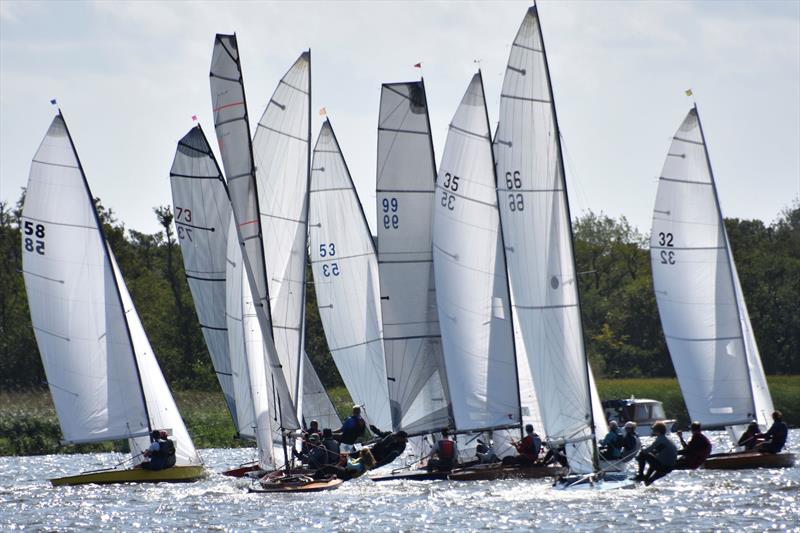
(699, 297)
(534, 209)
(406, 179)
(470, 272)
(202, 212)
(345, 271)
(233, 135)
(281, 151)
(102, 373)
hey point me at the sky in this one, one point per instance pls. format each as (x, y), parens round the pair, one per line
(128, 77)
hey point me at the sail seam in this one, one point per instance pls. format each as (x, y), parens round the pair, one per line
(416, 191)
(526, 99)
(702, 340)
(687, 247)
(292, 87)
(43, 221)
(399, 262)
(267, 215)
(179, 223)
(398, 130)
(51, 333)
(175, 175)
(332, 189)
(527, 47)
(467, 132)
(190, 147)
(685, 181)
(563, 306)
(355, 345)
(500, 189)
(55, 164)
(688, 141)
(215, 328)
(204, 279)
(407, 337)
(338, 258)
(466, 197)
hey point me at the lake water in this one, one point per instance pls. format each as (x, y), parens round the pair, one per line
(756, 500)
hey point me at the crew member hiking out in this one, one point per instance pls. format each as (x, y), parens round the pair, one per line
(775, 437)
(352, 429)
(445, 454)
(660, 456)
(696, 451)
(389, 448)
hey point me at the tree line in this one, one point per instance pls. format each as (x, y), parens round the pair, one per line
(621, 324)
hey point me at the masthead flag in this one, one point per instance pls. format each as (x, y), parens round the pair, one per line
(418, 65)
(194, 118)
(53, 101)
(688, 92)
(322, 112)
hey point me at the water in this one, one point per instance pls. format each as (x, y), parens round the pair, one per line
(689, 501)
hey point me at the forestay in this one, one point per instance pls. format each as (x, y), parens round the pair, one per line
(470, 273)
(406, 178)
(233, 135)
(534, 210)
(703, 314)
(202, 214)
(281, 150)
(345, 271)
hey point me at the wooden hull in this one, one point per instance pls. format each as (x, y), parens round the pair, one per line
(176, 474)
(279, 486)
(414, 475)
(744, 460)
(498, 471)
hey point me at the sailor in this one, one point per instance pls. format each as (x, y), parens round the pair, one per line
(317, 456)
(696, 451)
(630, 441)
(528, 449)
(332, 447)
(660, 456)
(166, 449)
(775, 437)
(313, 429)
(445, 454)
(155, 460)
(353, 428)
(389, 448)
(749, 438)
(612, 442)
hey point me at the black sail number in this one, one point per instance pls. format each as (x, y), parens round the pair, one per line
(515, 199)
(391, 218)
(450, 182)
(665, 239)
(667, 257)
(34, 237)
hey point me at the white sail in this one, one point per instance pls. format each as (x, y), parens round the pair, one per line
(281, 150)
(702, 311)
(345, 271)
(75, 307)
(233, 135)
(406, 179)
(103, 375)
(161, 406)
(202, 214)
(535, 213)
(470, 272)
(317, 404)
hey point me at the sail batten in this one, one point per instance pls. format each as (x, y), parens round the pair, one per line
(405, 189)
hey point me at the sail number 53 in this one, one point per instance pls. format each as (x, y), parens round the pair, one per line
(34, 237)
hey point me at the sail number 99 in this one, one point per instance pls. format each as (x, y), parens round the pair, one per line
(515, 200)
(34, 240)
(450, 182)
(391, 219)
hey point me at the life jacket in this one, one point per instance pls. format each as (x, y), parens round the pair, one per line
(447, 449)
(166, 451)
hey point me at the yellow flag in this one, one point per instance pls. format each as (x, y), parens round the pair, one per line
(688, 92)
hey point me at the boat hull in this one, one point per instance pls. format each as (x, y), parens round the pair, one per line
(176, 474)
(745, 460)
(608, 481)
(284, 486)
(498, 471)
(415, 475)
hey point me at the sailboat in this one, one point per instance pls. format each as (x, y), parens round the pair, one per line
(233, 135)
(345, 270)
(700, 301)
(534, 209)
(102, 372)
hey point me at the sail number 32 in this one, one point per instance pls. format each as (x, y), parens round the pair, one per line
(667, 256)
(34, 237)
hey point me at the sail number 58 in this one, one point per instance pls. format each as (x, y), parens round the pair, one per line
(34, 237)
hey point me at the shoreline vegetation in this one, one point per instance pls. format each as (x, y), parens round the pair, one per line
(28, 423)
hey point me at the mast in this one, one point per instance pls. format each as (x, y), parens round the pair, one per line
(595, 458)
(302, 344)
(729, 255)
(111, 266)
(505, 259)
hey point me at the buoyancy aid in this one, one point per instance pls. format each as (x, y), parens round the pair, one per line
(166, 451)
(447, 449)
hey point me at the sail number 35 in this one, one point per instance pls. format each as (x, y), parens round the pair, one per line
(450, 182)
(34, 237)
(667, 256)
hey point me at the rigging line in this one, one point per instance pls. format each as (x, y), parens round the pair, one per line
(331, 189)
(738, 337)
(190, 147)
(260, 125)
(467, 132)
(287, 219)
(225, 78)
(340, 257)
(687, 247)
(502, 190)
(226, 106)
(282, 81)
(398, 130)
(195, 177)
(229, 52)
(688, 141)
(467, 198)
(51, 333)
(178, 222)
(215, 328)
(402, 191)
(532, 49)
(198, 278)
(230, 120)
(525, 98)
(51, 384)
